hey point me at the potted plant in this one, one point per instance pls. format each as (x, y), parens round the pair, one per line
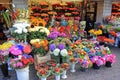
(21, 59)
(110, 59)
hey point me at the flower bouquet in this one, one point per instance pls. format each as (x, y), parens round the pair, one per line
(97, 61)
(110, 59)
(58, 46)
(65, 66)
(43, 74)
(57, 71)
(95, 33)
(21, 60)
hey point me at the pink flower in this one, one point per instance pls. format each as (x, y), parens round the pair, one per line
(19, 64)
(14, 65)
(15, 51)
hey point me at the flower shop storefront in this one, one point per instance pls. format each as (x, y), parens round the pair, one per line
(53, 37)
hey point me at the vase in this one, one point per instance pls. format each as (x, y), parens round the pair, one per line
(42, 78)
(23, 74)
(64, 76)
(57, 77)
(4, 69)
(95, 66)
(108, 64)
(72, 68)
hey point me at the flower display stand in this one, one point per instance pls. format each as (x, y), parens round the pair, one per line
(23, 74)
(64, 76)
(72, 68)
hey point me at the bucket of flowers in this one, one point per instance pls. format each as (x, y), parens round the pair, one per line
(110, 59)
(21, 59)
(4, 56)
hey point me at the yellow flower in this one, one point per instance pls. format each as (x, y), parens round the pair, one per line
(91, 31)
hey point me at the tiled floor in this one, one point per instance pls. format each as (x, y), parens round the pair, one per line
(103, 73)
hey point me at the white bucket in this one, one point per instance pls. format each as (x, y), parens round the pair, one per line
(23, 74)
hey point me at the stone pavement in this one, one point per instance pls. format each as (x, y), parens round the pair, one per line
(103, 73)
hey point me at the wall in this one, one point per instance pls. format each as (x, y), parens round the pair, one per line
(107, 7)
(99, 16)
(20, 3)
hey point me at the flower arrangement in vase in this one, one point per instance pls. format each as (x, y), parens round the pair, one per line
(57, 71)
(58, 46)
(65, 66)
(43, 74)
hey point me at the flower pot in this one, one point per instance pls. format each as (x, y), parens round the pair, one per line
(23, 74)
(83, 69)
(64, 76)
(4, 69)
(95, 66)
(42, 78)
(108, 64)
(72, 68)
(57, 77)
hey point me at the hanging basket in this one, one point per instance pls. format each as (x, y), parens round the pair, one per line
(23, 74)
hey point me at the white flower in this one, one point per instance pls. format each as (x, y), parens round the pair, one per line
(25, 30)
(56, 52)
(64, 52)
(19, 31)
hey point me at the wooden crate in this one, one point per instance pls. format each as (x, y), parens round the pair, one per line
(38, 59)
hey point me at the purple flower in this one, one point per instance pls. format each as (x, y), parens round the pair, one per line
(61, 46)
(52, 47)
(27, 56)
(20, 47)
